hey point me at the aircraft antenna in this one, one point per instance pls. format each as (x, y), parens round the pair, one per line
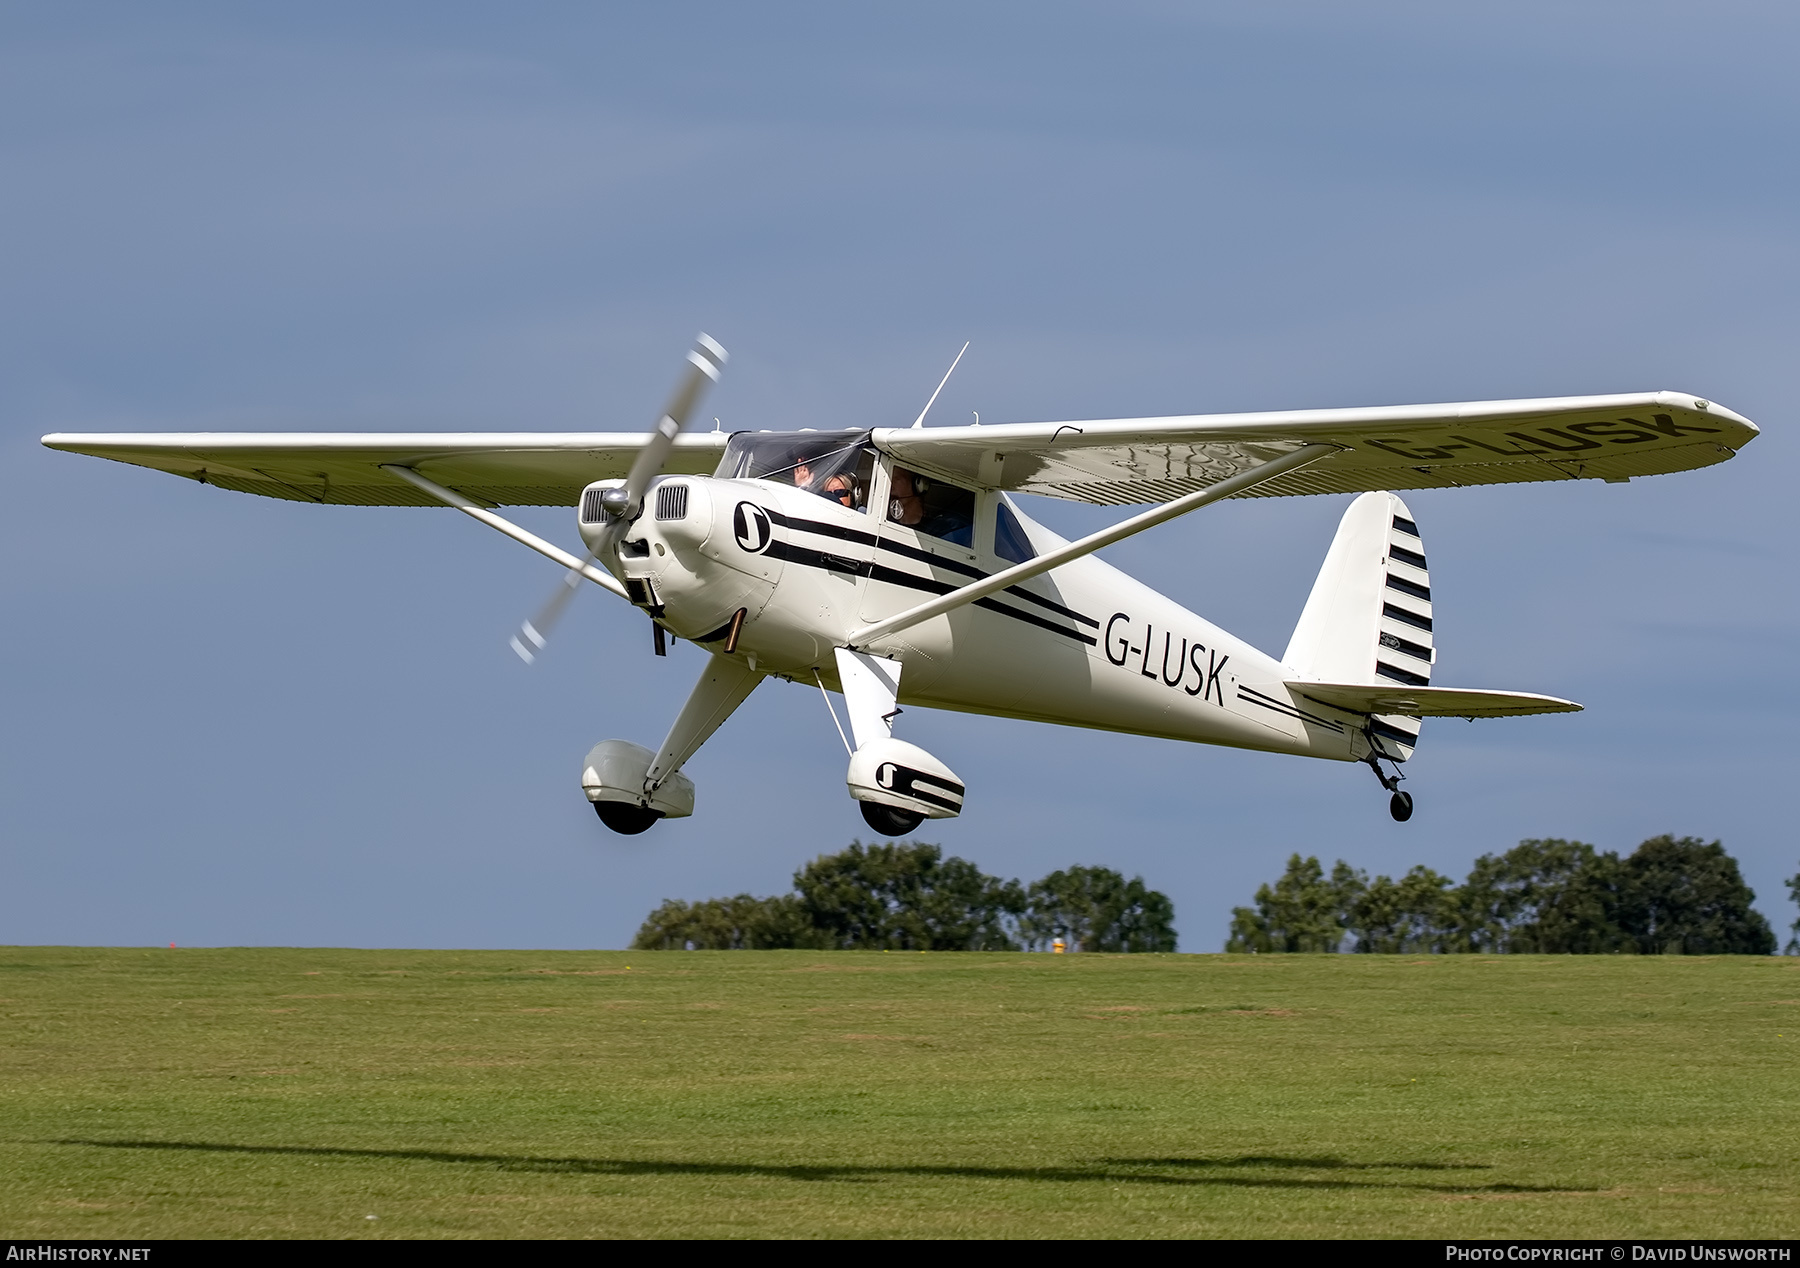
(920, 420)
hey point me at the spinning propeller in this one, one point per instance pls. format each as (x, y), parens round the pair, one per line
(623, 503)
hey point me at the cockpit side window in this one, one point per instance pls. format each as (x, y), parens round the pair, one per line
(1010, 542)
(930, 506)
(838, 466)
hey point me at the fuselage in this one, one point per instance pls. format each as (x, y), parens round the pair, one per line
(1083, 645)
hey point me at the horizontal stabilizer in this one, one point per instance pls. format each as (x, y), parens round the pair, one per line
(1431, 702)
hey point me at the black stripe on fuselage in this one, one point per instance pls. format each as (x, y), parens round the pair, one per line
(862, 538)
(808, 558)
(1253, 696)
(1406, 556)
(820, 527)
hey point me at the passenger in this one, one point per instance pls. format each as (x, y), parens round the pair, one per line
(837, 488)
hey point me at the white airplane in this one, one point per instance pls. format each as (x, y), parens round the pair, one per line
(890, 565)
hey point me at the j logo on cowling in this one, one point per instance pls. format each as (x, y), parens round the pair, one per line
(750, 523)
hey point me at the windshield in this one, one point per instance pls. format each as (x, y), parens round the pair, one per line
(834, 464)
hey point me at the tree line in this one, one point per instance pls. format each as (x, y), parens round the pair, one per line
(1669, 896)
(910, 897)
(1793, 945)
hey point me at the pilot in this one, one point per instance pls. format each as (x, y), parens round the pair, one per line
(906, 505)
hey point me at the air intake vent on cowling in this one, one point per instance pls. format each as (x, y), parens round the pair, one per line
(671, 502)
(591, 510)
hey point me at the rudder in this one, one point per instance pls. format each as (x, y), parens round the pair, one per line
(1368, 618)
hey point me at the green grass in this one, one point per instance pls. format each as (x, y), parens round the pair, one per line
(277, 1093)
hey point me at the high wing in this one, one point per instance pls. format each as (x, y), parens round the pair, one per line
(1112, 461)
(345, 468)
(1123, 461)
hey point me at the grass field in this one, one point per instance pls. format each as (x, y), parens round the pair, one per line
(274, 1093)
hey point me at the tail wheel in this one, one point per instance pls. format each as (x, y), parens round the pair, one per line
(626, 819)
(1400, 806)
(889, 820)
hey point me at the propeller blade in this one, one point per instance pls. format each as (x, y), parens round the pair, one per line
(535, 633)
(705, 361)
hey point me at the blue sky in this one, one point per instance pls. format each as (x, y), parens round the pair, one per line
(230, 720)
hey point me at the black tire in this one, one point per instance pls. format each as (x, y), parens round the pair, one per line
(888, 820)
(1400, 806)
(626, 819)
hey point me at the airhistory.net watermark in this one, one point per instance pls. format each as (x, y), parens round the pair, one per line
(50, 1253)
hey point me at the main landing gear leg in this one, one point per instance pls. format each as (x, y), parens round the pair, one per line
(725, 685)
(1400, 805)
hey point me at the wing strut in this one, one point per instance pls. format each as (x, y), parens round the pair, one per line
(1225, 488)
(450, 497)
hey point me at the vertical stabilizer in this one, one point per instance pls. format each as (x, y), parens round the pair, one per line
(1368, 619)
